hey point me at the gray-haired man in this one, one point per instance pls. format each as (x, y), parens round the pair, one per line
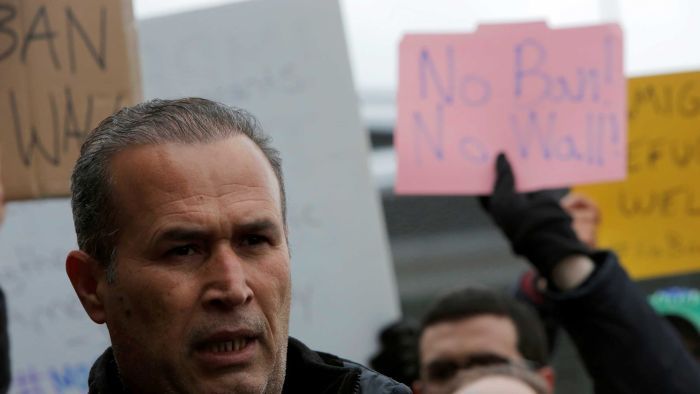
(179, 209)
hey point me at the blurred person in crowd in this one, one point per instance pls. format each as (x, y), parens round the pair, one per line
(625, 346)
(180, 215)
(477, 327)
(398, 356)
(498, 379)
(398, 352)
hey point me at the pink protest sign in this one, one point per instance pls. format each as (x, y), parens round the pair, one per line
(554, 100)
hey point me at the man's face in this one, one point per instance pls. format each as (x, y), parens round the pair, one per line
(475, 339)
(202, 293)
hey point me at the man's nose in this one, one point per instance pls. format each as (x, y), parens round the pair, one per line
(226, 284)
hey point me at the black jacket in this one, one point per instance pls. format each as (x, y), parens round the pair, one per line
(626, 347)
(307, 372)
(315, 372)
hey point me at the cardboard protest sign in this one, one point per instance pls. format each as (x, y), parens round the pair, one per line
(552, 100)
(64, 66)
(652, 220)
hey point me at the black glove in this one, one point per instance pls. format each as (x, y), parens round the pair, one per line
(536, 225)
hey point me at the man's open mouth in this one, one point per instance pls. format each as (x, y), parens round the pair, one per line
(223, 349)
(228, 346)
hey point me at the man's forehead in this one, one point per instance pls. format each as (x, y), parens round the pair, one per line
(481, 333)
(161, 173)
(236, 155)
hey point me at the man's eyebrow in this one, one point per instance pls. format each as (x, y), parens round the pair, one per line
(257, 226)
(181, 234)
(184, 233)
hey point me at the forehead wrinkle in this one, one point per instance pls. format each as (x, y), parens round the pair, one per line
(203, 199)
(270, 194)
(179, 176)
(221, 191)
(197, 216)
(194, 178)
(160, 226)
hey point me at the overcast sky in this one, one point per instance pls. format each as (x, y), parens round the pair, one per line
(660, 35)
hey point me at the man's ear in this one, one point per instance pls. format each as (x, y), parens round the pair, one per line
(547, 373)
(85, 273)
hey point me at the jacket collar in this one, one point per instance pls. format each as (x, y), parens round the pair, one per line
(307, 372)
(315, 372)
(104, 375)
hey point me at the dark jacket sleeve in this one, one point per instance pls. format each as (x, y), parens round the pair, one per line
(626, 347)
(372, 382)
(5, 369)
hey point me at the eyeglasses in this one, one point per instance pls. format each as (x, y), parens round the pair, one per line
(439, 371)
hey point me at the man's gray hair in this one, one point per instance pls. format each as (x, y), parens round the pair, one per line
(187, 120)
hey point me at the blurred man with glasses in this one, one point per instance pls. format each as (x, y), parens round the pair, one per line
(479, 327)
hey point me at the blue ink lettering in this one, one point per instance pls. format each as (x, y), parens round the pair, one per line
(615, 136)
(426, 66)
(594, 77)
(524, 135)
(565, 91)
(479, 95)
(532, 84)
(420, 128)
(69, 379)
(474, 150)
(27, 381)
(523, 72)
(567, 149)
(608, 48)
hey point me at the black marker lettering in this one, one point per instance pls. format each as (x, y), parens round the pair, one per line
(99, 55)
(71, 129)
(34, 35)
(26, 151)
(9, 14)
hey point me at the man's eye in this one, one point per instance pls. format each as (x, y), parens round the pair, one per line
(442, 370)
(253, 240)
(182, 251)
(484, 360)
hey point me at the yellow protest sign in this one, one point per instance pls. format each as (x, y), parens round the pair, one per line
(652, 220)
